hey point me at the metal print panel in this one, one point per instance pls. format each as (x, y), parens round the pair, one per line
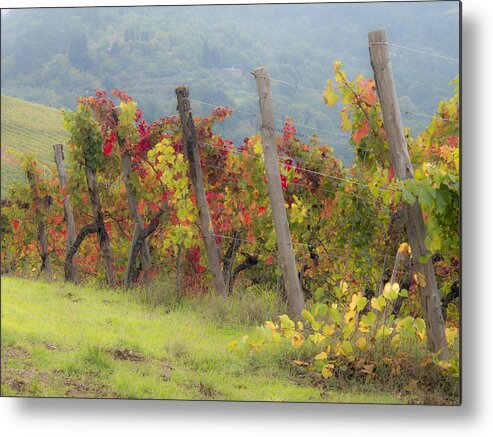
(236, 202)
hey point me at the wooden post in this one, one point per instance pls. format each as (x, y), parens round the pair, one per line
(281, 224)
(192, 149)
(145, 256)
(104, 241)
(413, 216)
(71, 272)
(42, 237)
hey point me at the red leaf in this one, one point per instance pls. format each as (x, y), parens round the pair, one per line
(270, 260)
(15, 224)
(108, 147)
(361, 132)
(153, 207)
(391, 172)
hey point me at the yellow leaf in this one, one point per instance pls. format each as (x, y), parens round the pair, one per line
(391, 291)
(361, 343)
(270, 325)
(420, 279)
(321, 356)
(232, 345)
(257, 148)
(328, 330)
(337, 349)
(329, 95)
(300, 326)
(404, 247)
(451, 334)
(301, 363)
(354, 301)
(376, 304)
(327, 371)
(317, 338)
(297, 340)
(349, 316)
(444, 365)
(396, 340)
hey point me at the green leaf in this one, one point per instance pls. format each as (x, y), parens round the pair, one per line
(316, 325)
(408, 196)
(369, 319)
(403, 293)
(320, 309)
(347, 348)
(423, 259)
(256, 337)
(426, 195)
(320, 364)
(336, 317)
(307, 316)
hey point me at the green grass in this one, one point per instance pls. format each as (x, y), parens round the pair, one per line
(28, 127)
(67, 340)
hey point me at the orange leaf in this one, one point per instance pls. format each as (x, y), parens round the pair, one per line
(141, 206)
(361, 132)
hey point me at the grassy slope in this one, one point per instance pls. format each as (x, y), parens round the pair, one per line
(28, 127)
(63, 340)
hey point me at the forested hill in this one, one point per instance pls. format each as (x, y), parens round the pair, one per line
(51, 56)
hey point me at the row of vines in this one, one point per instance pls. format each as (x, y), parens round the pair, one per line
(345, 221)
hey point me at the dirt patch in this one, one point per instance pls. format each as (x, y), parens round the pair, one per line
(166, 375)
(207, 392)
(29, 381)
(85, 389)
(71, 297)
(126, 355)
(10, 351)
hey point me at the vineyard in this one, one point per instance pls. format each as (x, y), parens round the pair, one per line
(27, 128)
(362, 260)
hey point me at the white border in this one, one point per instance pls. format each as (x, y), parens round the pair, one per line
(25, 417)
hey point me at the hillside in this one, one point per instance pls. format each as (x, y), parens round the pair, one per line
(52, 56)
(28, 128)
(63, 340)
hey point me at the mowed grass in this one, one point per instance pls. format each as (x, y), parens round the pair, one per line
(28, 128)
(66, 340)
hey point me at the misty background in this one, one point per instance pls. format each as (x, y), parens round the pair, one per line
(53, 55)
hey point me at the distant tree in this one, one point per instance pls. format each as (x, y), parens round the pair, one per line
(78, 52)
(206, 55)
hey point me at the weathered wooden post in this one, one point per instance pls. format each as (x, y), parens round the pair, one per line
(104, 241)
(281, 224)
(192, 149)
(413, 215)
(71, 271)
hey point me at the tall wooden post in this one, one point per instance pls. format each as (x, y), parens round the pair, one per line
(413, 215)
(276, 197)
(104, 241)
(192, 149)
(71, 272)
